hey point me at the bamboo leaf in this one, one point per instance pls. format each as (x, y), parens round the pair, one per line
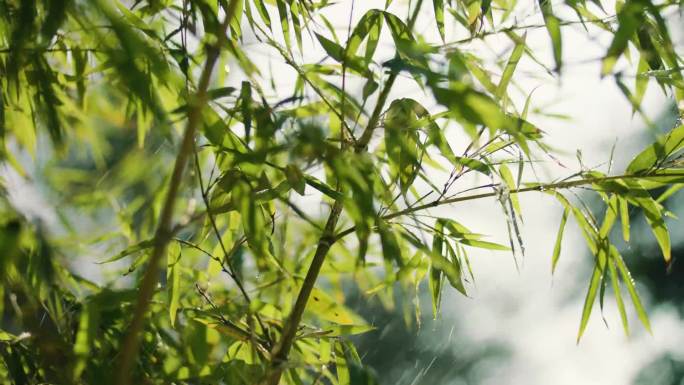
(624, 218)
(390, 246)
(284, 23)
(472, 164)
(173, 281)
(507, 177)
(221, 92)
(628, 24)
(323, 187)
(457, 279)
(484, 245)
(618, 296)
(438, 6)
(85, 336)
(130, 250)
(594, 283)
(369, 26)
(553, 27)
(510, 67)
(629, 283)
(296, 178)
(609, 219)
(559, 240)
(323, 306)
(335, 330)
(657, 152)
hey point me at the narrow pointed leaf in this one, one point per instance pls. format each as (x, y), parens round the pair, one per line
(629, 283)
(594, 284)
(559, 240)
(618, 296)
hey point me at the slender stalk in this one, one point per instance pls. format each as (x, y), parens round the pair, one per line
(163, 234)
(230, 269)
(282, 349)
(541, 187)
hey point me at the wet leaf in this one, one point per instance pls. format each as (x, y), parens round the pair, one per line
(559, 240)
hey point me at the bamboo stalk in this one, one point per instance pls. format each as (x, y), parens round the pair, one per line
(164, 232)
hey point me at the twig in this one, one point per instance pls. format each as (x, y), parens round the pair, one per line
(227, 256)
(282, 349)
(129, 350)
(540, 187)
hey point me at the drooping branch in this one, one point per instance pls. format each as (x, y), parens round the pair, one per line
(538, 187)
(163, 234)
(281, 350)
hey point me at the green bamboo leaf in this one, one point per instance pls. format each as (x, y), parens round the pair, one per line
(390, 246)
(507, 177)
(657, 152)
(588, 230)
(459, 231)
(655, 218)
(669, 192)
(480, 73)
(85, 336)
(173, 280)
(80, 59)
(434, 272)
(559, 240)
(221, 92)
(323, 187)
(618, 296)
(402, 143)
(457, 279)
(296, 23)
(629, 283)
(325, 307)
(484, 244)
(610, 217)
(130, 250)
(284, 23)
(654, 213)
(296, 178)
(246, 108)
(400, 32)
(263, 12)
(473, 164)
(510, 68)
(641, 83)
(336, 52)
(435, 284)
(253, 222)
(369, 26)
(553, 27)
(589, 300)
(333, 49)
(335, 330)
(628, 23)
(624, 218)
(472, 107)
(438, 6)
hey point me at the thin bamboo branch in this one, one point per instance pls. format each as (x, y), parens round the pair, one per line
(129, 350)
(282, 349)
(540, 187)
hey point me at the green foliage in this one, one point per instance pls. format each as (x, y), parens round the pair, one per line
(231, 276)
